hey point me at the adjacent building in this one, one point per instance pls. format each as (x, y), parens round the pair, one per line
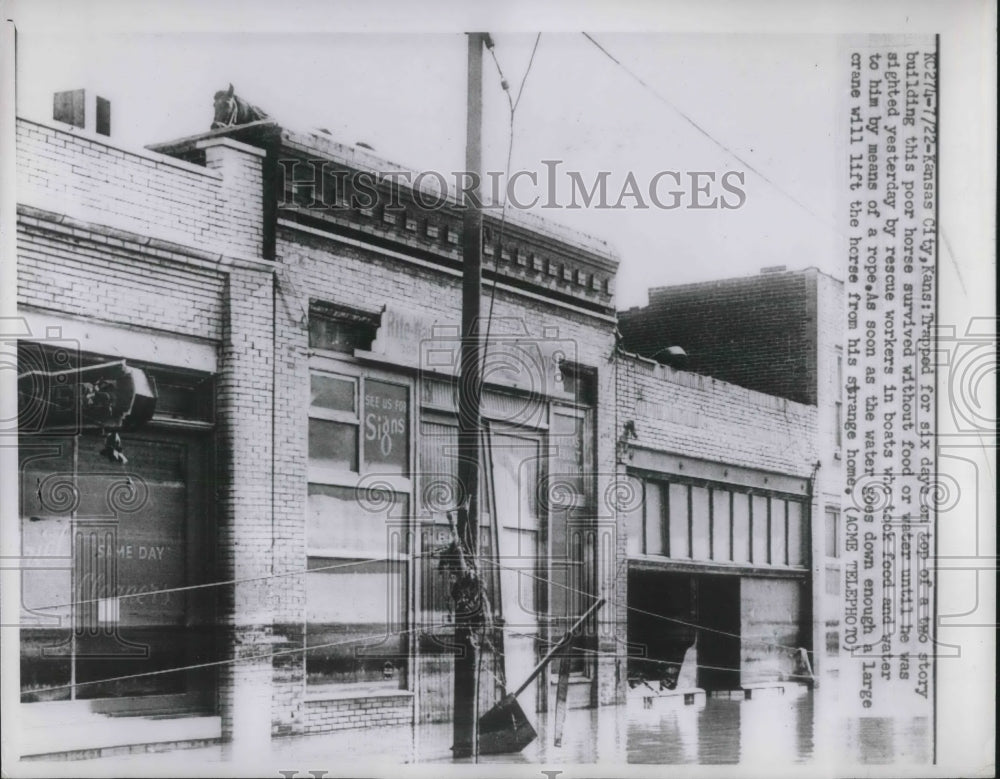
(779, 333)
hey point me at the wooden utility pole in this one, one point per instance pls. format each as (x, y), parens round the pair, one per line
(469, 396)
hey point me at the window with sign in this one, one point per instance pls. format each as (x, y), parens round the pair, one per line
(357, 540)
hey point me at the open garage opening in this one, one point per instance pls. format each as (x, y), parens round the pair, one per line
(683, 630)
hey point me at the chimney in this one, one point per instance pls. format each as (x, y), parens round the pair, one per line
(88, 112)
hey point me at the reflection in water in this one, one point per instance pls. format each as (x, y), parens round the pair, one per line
(771, 728)
(778, 729)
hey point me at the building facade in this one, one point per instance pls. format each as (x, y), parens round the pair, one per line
(779, 333)
(268, 561)
(720, 532)
(305, 360)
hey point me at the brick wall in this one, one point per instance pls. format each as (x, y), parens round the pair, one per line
(757, 332)
(111, 277)
(703, 417)
(87, 176)
(336, 272)
(363, 712)
(145, 241)
(110, 233)
(245, 393)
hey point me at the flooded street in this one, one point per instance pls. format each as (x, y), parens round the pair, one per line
(776, 726)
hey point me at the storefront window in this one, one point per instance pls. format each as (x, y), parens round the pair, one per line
(357, 531)
(760, 529)
(387, 428)
(832, 534)
(634, 504)
(797, 554)
(123, 542)
(333, 445)
(654, 518)
(333, 393)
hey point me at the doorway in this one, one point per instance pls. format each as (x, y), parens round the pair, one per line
(669, 613)
(719, 638)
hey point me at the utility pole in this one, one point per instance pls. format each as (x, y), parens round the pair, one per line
(469, 396)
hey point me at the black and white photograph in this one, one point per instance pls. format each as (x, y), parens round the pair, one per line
(437, 389)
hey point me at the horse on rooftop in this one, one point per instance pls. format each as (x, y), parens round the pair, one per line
(231, 110)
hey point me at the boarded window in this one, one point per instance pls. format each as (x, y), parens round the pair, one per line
(654, 519)
(700, 523)
(797, 554)
(759, 520)
(679, 522)
(721, 526)
(741, 527)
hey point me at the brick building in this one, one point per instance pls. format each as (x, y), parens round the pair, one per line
(778, 333)
(719, 530)
(304, 359)
(126, 254)
(277, 527)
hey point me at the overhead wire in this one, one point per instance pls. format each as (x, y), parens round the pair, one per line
(687, 118)
(223, 583)
(217, 663)
(674, 620)
(651, 660)
(512, 105)
(381, 635)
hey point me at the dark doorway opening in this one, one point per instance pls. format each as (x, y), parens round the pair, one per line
(669, 612)
(719, 638)
(661, 619)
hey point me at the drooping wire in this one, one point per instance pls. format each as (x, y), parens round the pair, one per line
(706, 133)
(383, 634)
(219, 663)
(512, 104)
(636, 609)
(649, 660)
(223, 583)
(414, 557)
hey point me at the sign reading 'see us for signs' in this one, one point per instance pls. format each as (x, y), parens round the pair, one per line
(385, 427)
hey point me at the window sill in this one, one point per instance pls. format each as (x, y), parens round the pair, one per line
(348, 692)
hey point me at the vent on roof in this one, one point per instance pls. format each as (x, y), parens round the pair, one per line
(773, 269)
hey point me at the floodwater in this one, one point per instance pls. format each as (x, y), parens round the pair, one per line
(782, 725)
(775, 727)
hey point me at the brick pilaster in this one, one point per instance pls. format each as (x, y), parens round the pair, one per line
(245, 491)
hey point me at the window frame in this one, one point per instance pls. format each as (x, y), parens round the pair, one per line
(343, 366)
(771, 514)
(338, 369)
